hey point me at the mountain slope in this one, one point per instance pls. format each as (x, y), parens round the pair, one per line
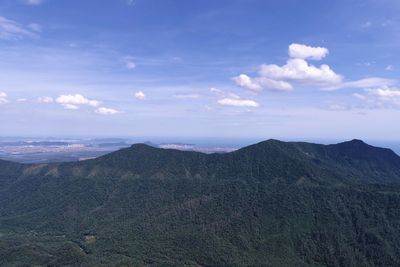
(269, 204)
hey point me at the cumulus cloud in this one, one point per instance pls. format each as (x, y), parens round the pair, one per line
(307, 52)
(257, 84)
(282, 78)
(3, 98)
(11, 30)
(230, 99)
(74, 101)
(246, 82)
(106, 111)
(238, 102)
(299, 72)
(140, 95)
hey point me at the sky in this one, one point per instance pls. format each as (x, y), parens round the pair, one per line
(288, 69)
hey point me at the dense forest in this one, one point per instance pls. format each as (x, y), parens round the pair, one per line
(270, 204)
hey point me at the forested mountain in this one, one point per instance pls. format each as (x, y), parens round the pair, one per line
(270, 204)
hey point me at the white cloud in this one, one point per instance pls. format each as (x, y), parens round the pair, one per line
(359, 96)
(106, 111)
(3, 98)
(382, 97)
(282, 78)
(216, 91)
(35, 27)
(385, 92)
(74, 101)
(140, 95)
(307, 52)
(187, 96)
(389, 67)
(70, 106)
(259, 83)
(231, 99)
(364, 83)
(246, 82)
(129, 63)
(238, 102)
(34, 2)
(338, 107)
(11, 30)
(130, 2)
(298, 72)
(45, 99)
(367, 24)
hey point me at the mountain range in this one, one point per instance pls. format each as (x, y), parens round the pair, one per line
(270, 204)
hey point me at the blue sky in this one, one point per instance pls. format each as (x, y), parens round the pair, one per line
(186, 68)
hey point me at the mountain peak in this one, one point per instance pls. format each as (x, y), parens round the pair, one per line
(357, 141)
(354, 143)
(142, 146)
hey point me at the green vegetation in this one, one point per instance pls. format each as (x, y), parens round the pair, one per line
(270, 204)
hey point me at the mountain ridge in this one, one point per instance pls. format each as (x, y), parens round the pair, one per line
(270, 204)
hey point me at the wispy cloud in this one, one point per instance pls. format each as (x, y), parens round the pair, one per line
(238, 102)
(366, 25)
(187, 96)
(382, 97)
(389, 68)
(364, 83)
(129, 62)
(34, 2)
(3, 98)
(45, 99)
(11, 30)
(130, 2)
(35, 27)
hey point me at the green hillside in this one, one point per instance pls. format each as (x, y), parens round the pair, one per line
(270, 204)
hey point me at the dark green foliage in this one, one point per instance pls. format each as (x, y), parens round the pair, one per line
(270, 204)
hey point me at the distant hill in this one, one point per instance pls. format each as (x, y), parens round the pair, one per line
(269, 204)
